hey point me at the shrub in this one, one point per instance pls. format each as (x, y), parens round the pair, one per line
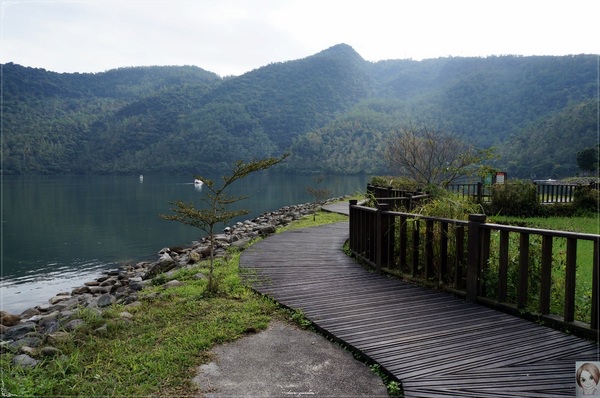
(586, 199)
(449, 205)
(401, 183)
(515, 198)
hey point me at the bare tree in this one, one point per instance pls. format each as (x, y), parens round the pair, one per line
(431, 157)
(320, 195)
(217, 202)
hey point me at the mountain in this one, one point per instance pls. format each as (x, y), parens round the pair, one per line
(333, 111)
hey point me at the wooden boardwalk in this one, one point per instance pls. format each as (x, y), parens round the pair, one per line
(434, 343)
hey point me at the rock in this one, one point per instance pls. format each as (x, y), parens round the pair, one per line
(28, 313)
(241, 242)
(58, 337)
(102, 330)
(195, 256)
(24, 361)
(19, 331)
(129, 300)
(133, 305)
(80, 290)
(74, 324)
(137, 286)
(173, 283)
(27, 350)
(165, 264)
(27, 342)
(92, 283)
(48, 326)
(105, 300)
(108, 282)
(3, 329)
(49, 351)
(99, 289)
(126, 315)
(57, 299)
(7, 319)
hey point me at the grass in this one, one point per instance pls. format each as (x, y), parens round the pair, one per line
(585, 249)
(157, 351)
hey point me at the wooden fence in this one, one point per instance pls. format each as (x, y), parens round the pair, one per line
(397, 199)
(518, 270)
(546, 193)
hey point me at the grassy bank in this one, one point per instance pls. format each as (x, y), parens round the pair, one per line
(152, 349)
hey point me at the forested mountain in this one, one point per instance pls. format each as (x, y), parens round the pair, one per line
(332, 111)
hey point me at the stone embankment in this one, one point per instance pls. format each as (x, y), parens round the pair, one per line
(33, 334)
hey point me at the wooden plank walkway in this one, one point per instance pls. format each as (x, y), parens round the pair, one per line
(434, 343)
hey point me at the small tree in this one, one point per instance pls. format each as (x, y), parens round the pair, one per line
(588, 159)
(217, 206)
(432, 157)
(320, 195)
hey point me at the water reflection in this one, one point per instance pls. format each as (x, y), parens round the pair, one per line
(61, 231)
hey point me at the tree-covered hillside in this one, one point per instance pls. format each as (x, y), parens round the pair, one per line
(333, 111)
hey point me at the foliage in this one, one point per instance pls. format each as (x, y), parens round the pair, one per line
(217, 202)
(588, 159)
(586, 199)
(515, 198)
(320, 195)
(400, 183)
(449, 205)
(547, 147)
(584, 264)
(333, 111)
(430, 156)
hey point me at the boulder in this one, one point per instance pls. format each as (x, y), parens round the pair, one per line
(105, 300)
(24, 361)
(49, 352)
(74, 324)
(173, 283)
(7, 319)
(19, 331)
(165, 264)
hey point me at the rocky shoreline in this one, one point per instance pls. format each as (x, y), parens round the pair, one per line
(32, 334)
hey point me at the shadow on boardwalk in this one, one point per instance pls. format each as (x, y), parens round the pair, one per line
(434, 343)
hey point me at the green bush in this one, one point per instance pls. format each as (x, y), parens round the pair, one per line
(515, 198)
(449, 205)
(586, 200)
(401, 183)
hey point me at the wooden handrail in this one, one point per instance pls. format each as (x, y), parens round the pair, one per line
(433, 251)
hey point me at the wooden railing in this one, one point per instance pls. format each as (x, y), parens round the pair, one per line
(397, 199)
(477, 192)
(513, 269)
(546, 193)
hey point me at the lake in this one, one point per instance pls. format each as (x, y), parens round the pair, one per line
(61, 231)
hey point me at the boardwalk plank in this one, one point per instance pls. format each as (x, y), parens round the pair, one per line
(434, 343)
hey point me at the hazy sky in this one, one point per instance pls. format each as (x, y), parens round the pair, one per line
(231, 37)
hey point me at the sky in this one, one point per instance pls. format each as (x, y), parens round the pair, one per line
(231, 37)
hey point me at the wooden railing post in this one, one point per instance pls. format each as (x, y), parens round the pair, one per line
(479, 192)
(381, 227)
(352, 224)
(474, 255)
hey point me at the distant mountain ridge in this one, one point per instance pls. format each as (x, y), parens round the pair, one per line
(332, 111)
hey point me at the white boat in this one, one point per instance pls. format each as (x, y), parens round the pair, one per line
(198, 182)
(141, 178)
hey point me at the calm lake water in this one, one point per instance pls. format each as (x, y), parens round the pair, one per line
(61, 231)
